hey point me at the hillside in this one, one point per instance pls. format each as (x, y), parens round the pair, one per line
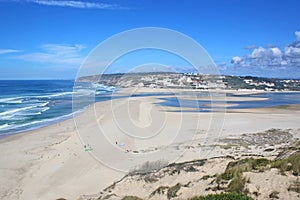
(193, 81)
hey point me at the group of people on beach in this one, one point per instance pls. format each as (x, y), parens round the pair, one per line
(122, 145)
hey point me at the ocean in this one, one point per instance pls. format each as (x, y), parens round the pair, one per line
(31, 104)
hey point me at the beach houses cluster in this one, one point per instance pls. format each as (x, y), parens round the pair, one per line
(259, 83)
(195, 81)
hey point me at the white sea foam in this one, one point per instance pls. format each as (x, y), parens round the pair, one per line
(16, 101)
(43, 104)
(4, 126)
(22, 99)
(32, 109)
(35, 124)
(14, 117)
(94, 89)
(60, 94)
(105, 87)
(8, 112)
(53, 95)
(21, 110)
(12, 100)
(101, 92)
(37, 113)
(7, 99)
(45, 109)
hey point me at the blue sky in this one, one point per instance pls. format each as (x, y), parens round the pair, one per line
(49, 39)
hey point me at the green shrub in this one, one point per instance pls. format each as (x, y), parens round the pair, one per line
(237, 184)
(223, 196)
(274, 195)
(249, 164)
(149, 167)
(172, 192)
(291, 163)
(205, 177)
(108, 196)
(160, 190)
(259, 163)
(191, 169)
(131, 198)
(234, 173)
(186, 166)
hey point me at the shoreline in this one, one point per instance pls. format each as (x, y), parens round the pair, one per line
(54, 158)
(162, 90)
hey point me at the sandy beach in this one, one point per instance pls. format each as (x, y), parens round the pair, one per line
(86, 154)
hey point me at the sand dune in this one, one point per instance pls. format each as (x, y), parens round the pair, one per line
(99, 146)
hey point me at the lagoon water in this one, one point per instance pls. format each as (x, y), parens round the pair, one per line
(273, 99)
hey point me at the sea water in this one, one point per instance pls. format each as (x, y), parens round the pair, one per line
(30, 104)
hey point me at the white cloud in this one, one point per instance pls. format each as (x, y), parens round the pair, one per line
(284, 62)
(292, 55)
(292, 51)
(272, 56)
(75, 4)
(56, 54)
(236, 60)
(297, 33)
(276, 51)
(265, 57)
(258, 53)
(5, 51)
(261, 52)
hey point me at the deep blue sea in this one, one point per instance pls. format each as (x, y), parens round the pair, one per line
(29, 104)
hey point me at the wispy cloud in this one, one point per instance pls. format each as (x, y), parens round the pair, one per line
(56, 54)
(76, 4)
(6, 51)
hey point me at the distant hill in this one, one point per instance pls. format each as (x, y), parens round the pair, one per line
(194, 81)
